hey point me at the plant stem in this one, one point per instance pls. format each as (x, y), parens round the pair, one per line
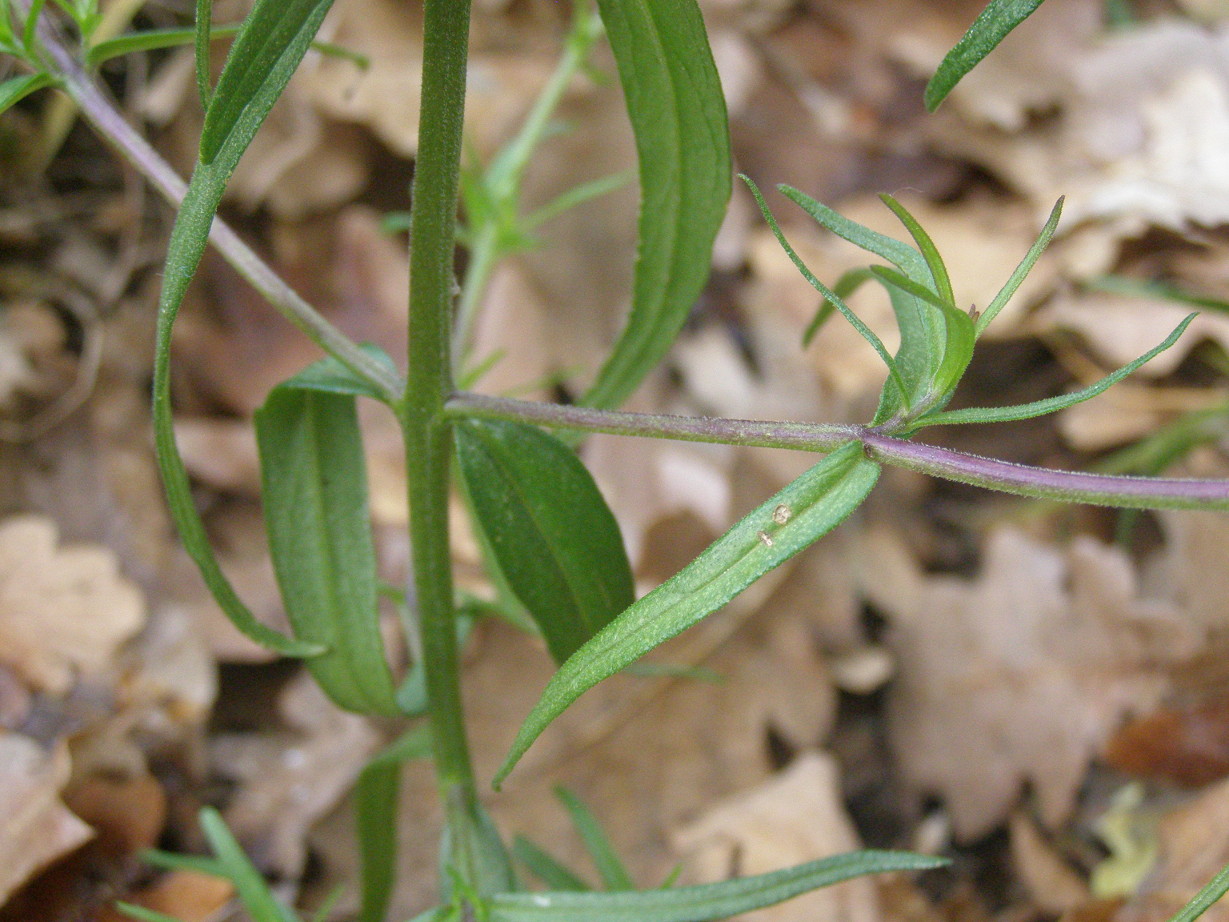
(1004, 476)
(106, 119)
(803, 436)
(1041, 483)
(428, 433)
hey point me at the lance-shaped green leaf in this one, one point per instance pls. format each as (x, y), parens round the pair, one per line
(15, 89)
(794, 518)
(1050, 404)
(899, 386)
(959, 338)
(991, 27)
(610, 867)
(184, 250)
(705, 901)
(315, 501)
(926, 246)
(1021, 271)
(678, 115)
(375, 809)
(1202, 901)
(923, 331)
(555, 540)
(546, 867)
(277, 33)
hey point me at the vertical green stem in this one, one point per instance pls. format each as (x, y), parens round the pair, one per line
(428, 434)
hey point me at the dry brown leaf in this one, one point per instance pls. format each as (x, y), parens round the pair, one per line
(288, 780)
(189, 896)
(1192, 847)
(1052, 883)
(795, 816)
(35, 827)
(64, 611)
(1019, 675)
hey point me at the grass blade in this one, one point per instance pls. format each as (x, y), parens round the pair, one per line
(554, 538)
(544, 867)
(251, 886)
(991, 27)
(1022, 270)
(1050, 404)
(791, 520)
(703, 902)
(609, 866)
(678, 115)
(375, 808)
(314, 492)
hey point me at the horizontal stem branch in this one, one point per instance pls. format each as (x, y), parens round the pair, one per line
(111, 125)
(1042, 483)
(801, 436)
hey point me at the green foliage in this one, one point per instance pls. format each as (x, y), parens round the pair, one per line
(782, 526)
(555, 540)
(314, 486)
(677, 111)
(552, 540)
(703, 902)
(991, 27)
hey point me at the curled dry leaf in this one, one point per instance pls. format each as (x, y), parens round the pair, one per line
(795, 816)
(64, 611)
(1019, 675)
(35, 827)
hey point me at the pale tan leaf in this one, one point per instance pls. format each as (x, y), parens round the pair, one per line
(63, 610)
(1018, 675)
(35, 827)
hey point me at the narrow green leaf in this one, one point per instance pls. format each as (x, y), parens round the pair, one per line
(272, 41)
(15, 89)
(829, 295)
(923, 333)
(791, 520)
(1202, 901)
(901, 255)
(251, 886)
(959, 338)
(330, 376)
(703, 902)
(30, 30)
(202, 35)
(610, 867)
(846, 285)
(375, 808)
(169, 861)
(314, 482)
(991, 27)
(678, 115)
(1022, 270)
(142, 914)
(555, 540)
(1050, 404)
(189, 237)
(926, 246)
(1117, 284)
(544, 867)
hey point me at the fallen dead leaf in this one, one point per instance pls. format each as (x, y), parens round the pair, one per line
(35, 827)
(64, 611)
(795, 816)
(1019, 675)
